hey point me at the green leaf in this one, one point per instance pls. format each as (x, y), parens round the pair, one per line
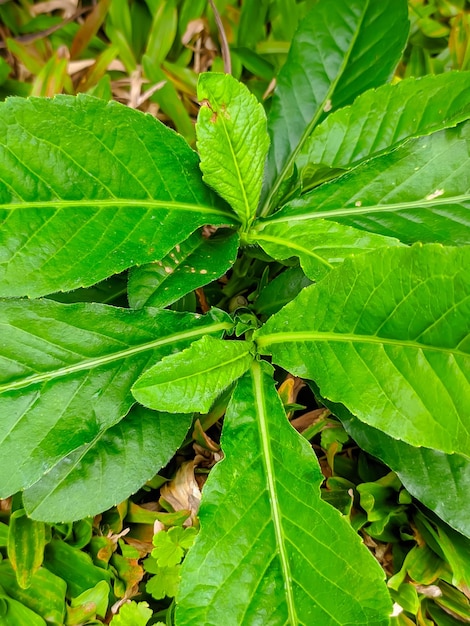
(192, 379)
(88, 189)
(170, 546)
(385, 334)
(74, 566)
(133, 614)
(104, 472)
(26, 541)
(329, 64)
(280, 291)
(440, 481)
(320, 244)
(45, 596)
(164, 583)
(270, 551)
(384, 118)
(418, 192)
(97, 595)
(232, 140)
(66, 374)
(13, 613)
(191, 264)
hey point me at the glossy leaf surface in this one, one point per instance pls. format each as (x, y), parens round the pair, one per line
(105, 189)
(386, 334)
(67, 371)
(419, 192)
(320, 244)
(26, 541)
(191, 264)
(270, 550)
(383, 118)
(329, 64)
(106, 471)
(232, 140)
(192, 379)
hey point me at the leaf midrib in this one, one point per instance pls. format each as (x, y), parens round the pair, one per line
(288, 243)
(121, 202)
(317, 336)
(363, 210)
(271, 486)
(89, 364)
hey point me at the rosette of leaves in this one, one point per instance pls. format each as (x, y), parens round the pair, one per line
(361, 183)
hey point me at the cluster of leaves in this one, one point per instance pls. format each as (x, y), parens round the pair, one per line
(338, 204)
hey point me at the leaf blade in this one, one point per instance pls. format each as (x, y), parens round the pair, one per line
(191, 264)
(105, 472)
(191, 380)
(272, 523)
(233, 141)
(109, 188)
(391, 115)
(373, 329)
(67, 371)
(325, 70)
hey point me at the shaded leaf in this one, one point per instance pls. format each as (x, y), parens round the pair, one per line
(195, 262)
(88, 189)
(270, 550)
(327, 67)
(386, 334)
(192, 379)
(384, 118)
(107, 470)
(232, 140)
(66, 374)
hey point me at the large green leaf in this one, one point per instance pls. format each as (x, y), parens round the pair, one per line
(329, 64)
(384, 118)
(270, 551)
(66, 374)
(440, 481)
(232, 140)
(88, 189)
(106, 471)
(191, 264)
(386, 334)
(191, 380)
(418, 192)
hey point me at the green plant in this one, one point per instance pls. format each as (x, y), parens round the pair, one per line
(358, 186)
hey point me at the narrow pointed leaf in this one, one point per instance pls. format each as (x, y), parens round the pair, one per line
(66, 374)
(320, 244)
(110, 468)
(270, 551)
(384, 118)
(440, 481)
(26, 541)
(418, 192)
(88, 189)
(192, 379)
(232, 140)
(386, 334)
(327, 67)
(191, 264)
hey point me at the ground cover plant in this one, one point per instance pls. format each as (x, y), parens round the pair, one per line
(347, 202)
